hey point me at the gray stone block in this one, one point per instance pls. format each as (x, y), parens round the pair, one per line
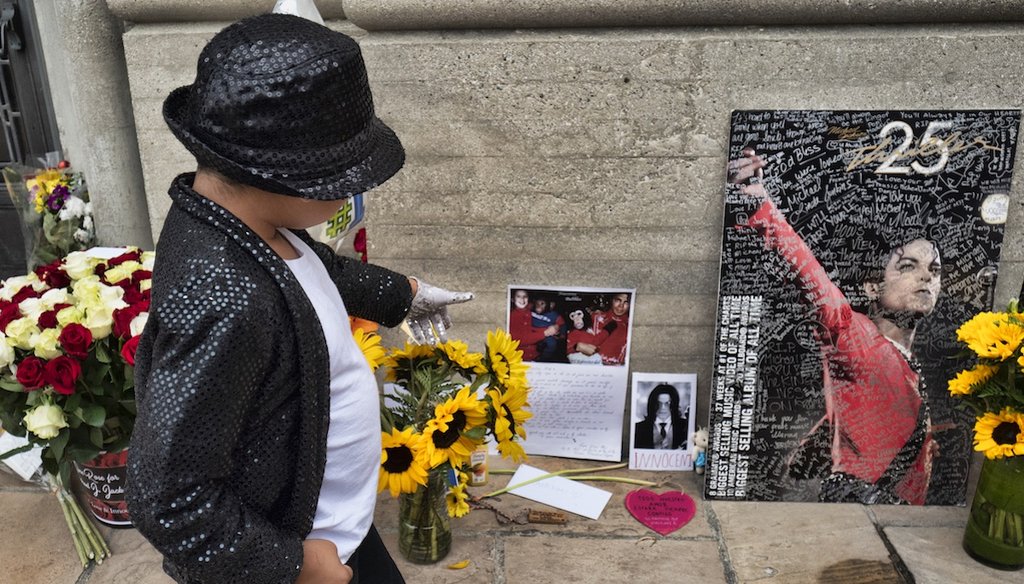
(417, 14)
(935, 556)
(197, 10)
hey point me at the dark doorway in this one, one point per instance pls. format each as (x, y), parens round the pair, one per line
(26, 117)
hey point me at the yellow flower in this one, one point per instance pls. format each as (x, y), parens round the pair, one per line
(443, 435)
(512, 451)
(457, 500)
(999, 435)
(402, 465)
(369, 344)
(506, 359)
(70, 314)
(458, 353)
(991, 335)
(967, 380)
(509, 414)
(1020, 361)
(401, 360)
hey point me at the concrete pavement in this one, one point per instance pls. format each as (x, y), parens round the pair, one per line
(729, 542)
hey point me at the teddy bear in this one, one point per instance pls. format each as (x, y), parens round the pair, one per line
(700, 447)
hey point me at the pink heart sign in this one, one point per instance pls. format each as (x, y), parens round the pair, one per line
(663, 513)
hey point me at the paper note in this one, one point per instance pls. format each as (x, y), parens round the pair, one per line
(577, 411)
(26, 463)
(560, 492)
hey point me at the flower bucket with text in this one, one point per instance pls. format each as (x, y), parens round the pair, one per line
(103, 481)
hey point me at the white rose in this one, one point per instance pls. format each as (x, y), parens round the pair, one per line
(56, 296)
(145, 285)
(45, 344)
(21, 331)
(99, 322)
(118, 273)
(6, 352)
(138, 323)
(71, 314)
(45, 421)
(79, 265)
(32, 308)
(12, 286)
(148, 258)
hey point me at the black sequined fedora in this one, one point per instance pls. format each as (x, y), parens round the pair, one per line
(283, 104)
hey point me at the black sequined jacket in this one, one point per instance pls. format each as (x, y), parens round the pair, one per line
(232, 383)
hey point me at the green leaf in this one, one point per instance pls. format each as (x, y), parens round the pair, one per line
(17, 450)
(58, 444)
(96, 437)
(94, 415)
(477, 433)
(11, 385)
(102, 353)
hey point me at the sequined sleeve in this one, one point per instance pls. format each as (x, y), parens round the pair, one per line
(201, 363)
(369, 292)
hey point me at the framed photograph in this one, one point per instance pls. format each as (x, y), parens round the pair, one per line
(663, 423)
(854, 244)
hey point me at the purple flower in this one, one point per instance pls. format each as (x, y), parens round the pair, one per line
(56, 199)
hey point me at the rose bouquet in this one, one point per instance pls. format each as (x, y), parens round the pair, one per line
(993, 389)
(68, 334)
(446, 401)
(56, 215)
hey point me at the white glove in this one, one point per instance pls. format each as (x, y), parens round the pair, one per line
(428, 319)
(304, 8)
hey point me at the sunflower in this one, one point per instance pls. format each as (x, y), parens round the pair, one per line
(369, 344)
(457, 497)
(402, 462)
(511, 450)
(444, 437)
(991, 335)
(458, 353)
(999, 435)
(967, 380)
(509, 414)
(400, 361)
(506, 359)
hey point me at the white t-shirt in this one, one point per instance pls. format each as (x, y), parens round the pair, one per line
(348, 495)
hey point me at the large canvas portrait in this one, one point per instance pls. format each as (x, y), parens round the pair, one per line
(854, 244)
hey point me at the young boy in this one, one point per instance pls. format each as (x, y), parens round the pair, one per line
(255, 452)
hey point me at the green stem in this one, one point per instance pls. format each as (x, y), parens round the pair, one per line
(74, 532)
(615, 480)
(553, 474)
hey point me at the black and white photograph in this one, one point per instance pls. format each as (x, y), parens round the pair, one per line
(663, 423)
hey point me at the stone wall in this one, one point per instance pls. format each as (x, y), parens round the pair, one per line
(595, 156)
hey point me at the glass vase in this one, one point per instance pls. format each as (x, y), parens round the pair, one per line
(424, 529)
(995, 528)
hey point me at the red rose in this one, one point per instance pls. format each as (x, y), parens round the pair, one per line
(123, 320)
(129, 348)
(75, 339)
(139, 275)
(48, 319)
(132, 295)
(53, 275)
(32, 373)
(26, 292)
(62, 373)
(131, 256)
(9, 315)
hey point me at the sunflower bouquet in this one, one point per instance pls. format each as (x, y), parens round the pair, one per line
(994, 390)
(441, 404)
(994, 387)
